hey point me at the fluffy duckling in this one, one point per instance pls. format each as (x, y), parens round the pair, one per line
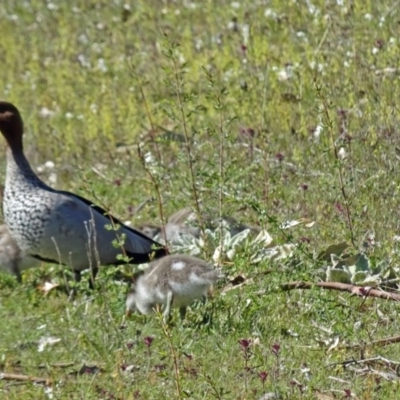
(185, 222)
(149, 230)
(12, 260)
(172, 281)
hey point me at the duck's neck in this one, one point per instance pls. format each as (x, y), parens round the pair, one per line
(18, 169)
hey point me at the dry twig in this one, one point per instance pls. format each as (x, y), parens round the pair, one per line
(345, 287)
(23, 378)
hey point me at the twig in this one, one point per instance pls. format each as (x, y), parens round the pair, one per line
(96, 171)
(366, 361)
(24, 378)
(334, 378)
(344, 287)
(389, 376)
(379, 342)
(58, 365)
(140, 206)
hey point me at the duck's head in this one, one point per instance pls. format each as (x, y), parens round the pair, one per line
(11, 125)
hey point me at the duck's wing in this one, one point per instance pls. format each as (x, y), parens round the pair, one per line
(73, 235)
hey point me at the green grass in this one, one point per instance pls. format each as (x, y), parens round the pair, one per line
(114, 79)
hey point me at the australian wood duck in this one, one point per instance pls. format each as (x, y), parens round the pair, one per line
(61, 227)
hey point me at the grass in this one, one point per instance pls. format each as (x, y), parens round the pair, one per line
(245, 107)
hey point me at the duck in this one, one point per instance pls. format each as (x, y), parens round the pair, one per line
(12, 260)
(175, 280)
(60, 227)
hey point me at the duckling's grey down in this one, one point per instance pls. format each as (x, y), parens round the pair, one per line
(173, 281)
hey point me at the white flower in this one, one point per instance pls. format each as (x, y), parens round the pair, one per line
(101, 65)
(342, 153)
(317, 131)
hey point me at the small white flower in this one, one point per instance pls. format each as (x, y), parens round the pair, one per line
(83, 39)
(48, 391)
(231, 25)
(52, 6)
(49, 164)
(317, 131)
(46, 112)
(190, 4)
(83, 61)
(285, 73)
(199, 44)
(53, 178)
(342, 153)
(46, 341)
(101, 65)
(269, 13)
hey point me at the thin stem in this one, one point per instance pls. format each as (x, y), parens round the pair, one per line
(221, 176)
(153, 179)
(167, 335)
(340, 170)
(156, 185)
(150, 120)
(262, 127)
(196, 199)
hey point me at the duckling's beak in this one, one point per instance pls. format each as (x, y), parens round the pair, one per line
(128, 313)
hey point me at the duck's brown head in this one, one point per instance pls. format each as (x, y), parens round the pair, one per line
(11, 125)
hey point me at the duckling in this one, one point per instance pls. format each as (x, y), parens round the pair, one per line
(172, 281)
(149, 230)
(12, 259)
(185, 222)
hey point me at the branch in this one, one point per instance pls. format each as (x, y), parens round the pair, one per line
(24, 378)
(378, 342)
(344, 287)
